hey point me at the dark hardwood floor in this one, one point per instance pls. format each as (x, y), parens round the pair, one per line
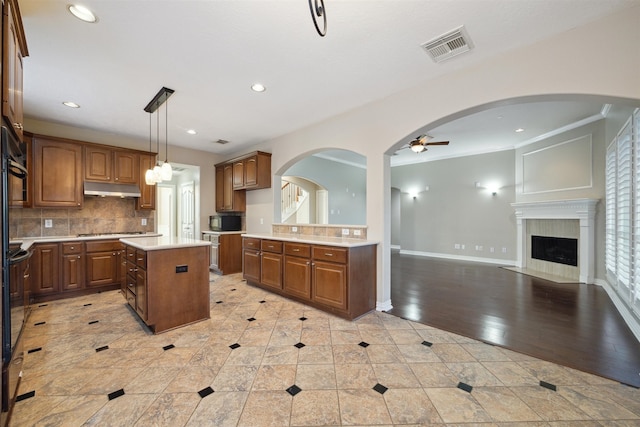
(574, 325)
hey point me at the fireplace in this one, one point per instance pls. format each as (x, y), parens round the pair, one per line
(560, 250)
(580, 212)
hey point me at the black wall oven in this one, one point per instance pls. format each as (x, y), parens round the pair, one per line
(13, 301)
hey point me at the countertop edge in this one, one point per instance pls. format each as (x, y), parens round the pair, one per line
(27, 242)
(315, 240)
(163, 245)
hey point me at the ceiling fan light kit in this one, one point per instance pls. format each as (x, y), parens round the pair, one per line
(419, 144)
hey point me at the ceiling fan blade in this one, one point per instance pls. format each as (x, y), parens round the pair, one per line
(438, 143)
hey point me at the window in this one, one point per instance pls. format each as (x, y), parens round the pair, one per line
(622, 256)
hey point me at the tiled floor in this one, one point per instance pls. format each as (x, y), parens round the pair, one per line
(291, 365)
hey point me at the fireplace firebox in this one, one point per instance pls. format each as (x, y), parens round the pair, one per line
(555, 249)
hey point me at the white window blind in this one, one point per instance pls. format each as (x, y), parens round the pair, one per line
(635, 288)
(624, 205)
(610, 209)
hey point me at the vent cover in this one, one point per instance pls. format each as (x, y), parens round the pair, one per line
(448, 45)
(221, 141)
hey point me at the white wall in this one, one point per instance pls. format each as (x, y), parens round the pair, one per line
(562, 65)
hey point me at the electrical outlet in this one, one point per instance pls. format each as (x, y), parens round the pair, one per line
(504, 250)
(461, 246)
(294, 229)
(261, 220)
(144, 221)
(478, 247)
(48, 223)
(345, 231)
(356, 232)
(456, 246)
(492, 249)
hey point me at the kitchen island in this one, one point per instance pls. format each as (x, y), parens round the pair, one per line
(167, 280)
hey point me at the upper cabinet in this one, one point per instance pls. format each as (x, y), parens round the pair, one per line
(147, 199)
(234, 177)
(107, 165)
(14, 49)
(57, 173)
(20, 191)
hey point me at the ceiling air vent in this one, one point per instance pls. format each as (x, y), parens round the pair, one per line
(448, 45)
(221, 141)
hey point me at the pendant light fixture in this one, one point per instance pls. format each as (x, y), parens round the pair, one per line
(162, 170)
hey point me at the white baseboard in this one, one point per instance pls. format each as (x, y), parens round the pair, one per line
(395, 247)
(630, 319)
(384, 305)
(508, 262)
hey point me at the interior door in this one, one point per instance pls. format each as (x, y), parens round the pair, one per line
(166, 208)
(187, 210)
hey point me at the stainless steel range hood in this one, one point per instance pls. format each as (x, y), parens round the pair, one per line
(104, 189)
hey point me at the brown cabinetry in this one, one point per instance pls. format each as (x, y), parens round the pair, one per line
(102, 263)
(72, 266)
(14, 49)
(233, 178)
(108, 165)
(147, 199)
(20, 193)
(45, 265)
(336, 279)
(57, 173)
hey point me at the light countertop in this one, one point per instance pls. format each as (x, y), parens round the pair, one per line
(27, 242)
(314, 240)
(222, 232)
(162, 242)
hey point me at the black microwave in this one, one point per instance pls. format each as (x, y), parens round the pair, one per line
(225, 223)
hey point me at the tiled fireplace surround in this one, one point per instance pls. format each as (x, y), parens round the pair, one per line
(582, 210)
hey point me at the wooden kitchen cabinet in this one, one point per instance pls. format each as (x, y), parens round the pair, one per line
(339, 280)
(14, 49)
(45, 265)
(57, 170)
(238, 175)
(228, 200)
(73, 256)
(103, 164)
(271, 263)
(103, 263)
(147, 199)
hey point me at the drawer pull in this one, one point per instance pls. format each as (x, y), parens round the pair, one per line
(296, 250)
(270, 246)
(328, 254)
(140, 259)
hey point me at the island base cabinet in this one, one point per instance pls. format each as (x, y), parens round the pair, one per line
(330, 284)
(171, 286)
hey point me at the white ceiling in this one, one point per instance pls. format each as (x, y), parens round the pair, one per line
(210, 52)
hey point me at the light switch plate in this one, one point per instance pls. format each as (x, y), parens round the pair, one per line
(345, 231)
(48, 223)
(144, 221)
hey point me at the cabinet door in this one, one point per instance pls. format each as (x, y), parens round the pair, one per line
(12, 68)
(57, 170)
(238, 174)
(251, 265)
(219, 189)
(329, 284)
(251, 172)
(98, 164)
(16, 290)
(297, 276)
(126, 167)
(72, 272)
(141, 293)
(45, 269)
(147, 199)
(102, 268)
(227, 180)
(271, 272)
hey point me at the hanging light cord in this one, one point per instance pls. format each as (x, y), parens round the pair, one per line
(166, 132)
(158, 134)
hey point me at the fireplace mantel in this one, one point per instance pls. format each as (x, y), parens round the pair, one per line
(583, 210)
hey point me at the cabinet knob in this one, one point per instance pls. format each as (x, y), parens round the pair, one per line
(116, 178)
(78, 256)
(114, 254)
(308, 263)
(78, 204)
(73, 247)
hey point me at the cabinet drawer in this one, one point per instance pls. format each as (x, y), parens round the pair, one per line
(297, 249)
(141, 259)
(72, 248)
(104, 246)
(251, 243)
(271, 246)
(131, 299)
(327, 253)
(131, 254)
(131, 284)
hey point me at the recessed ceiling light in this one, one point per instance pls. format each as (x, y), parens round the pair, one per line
(82, 13)
(191, 132)
(258, 87)
(519, 130)
(71, 104)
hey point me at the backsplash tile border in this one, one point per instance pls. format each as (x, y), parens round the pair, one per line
(323, 230)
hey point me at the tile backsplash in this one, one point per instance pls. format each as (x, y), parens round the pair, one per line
(98, 215)
(324, 230)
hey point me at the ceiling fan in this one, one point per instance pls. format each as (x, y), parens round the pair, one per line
(420, 144)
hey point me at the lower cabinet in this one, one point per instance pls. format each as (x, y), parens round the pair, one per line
(62, 270)
(340, 280)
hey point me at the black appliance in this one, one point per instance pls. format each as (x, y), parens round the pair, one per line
(225, 223)
(13, 306)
